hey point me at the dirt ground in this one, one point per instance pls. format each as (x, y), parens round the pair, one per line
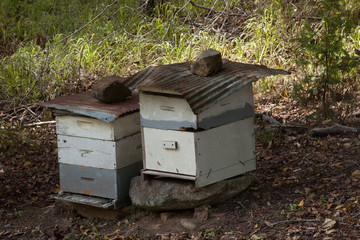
(305, 188)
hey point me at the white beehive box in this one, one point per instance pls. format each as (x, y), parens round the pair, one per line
(174, 112)
(94, 143)
(198, 128)
(205, 156)
(99, 146)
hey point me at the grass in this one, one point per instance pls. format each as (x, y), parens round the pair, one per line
(122, 40)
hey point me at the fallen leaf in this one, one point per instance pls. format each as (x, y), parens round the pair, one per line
(267, 223)
(27, 164)
(301, 203)
(328, 224)
(300, 213)
(356, 174)
(330, 231)
(329, 206)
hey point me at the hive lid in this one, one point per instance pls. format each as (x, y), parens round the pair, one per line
(200, 92)
(84, 104)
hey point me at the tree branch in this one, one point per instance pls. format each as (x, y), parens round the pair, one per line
(333, 130)
(213, 10)
(293, 221)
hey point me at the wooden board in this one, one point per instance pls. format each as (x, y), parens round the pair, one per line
(99, 153)
(166, 112)
(80, 126)
(235, 107)
(175, 113)
(157, 157)
(107, 183)
(211, 155)
(225, 152)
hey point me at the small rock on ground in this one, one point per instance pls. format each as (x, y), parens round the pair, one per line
(187, 224)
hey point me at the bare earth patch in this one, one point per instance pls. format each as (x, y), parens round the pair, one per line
(306, 188)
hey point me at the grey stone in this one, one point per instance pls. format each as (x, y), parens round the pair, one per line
(207, 63)
(202, 213)
(167, 194)
(164, 216)
(187, 224)
(110, 89)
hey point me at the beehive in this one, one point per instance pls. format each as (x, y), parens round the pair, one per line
(198, 128)
(99, 147)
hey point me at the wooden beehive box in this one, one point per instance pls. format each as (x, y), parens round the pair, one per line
(198, 128)
(99, 146)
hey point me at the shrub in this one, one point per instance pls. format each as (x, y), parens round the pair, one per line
(329, 68)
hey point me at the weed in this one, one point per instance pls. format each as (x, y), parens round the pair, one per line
(50, 52)
(210, 232)
(18, 213)
(264, 135)
(293, 207)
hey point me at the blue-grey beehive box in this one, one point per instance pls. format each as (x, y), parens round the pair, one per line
(99, 149)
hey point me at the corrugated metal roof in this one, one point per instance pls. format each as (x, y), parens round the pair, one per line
(200, 92)
(86, 105)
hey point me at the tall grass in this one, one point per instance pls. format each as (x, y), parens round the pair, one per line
(123, 40)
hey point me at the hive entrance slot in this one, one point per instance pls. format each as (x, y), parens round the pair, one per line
(87, 179)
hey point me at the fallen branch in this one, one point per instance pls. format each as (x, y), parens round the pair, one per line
(270, 120)
(293, 221)
(39, 123)
(275, 124)
(333, 130)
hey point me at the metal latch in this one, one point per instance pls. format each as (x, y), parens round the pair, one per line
(170, 145)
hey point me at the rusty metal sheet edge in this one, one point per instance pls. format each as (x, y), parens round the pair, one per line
(84, 104)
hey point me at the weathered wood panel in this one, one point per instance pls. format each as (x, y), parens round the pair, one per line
(160, 157)
(225, 152)
(87, 127)
(174, 113)
(107, 183)
(165, 112)
(235, 107)
(99, 153)
(211, 155)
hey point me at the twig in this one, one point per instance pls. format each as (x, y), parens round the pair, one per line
(92, 20)
(42, 70)
(39, 123)
(167, 30)
(32, 113)
(293, 221)
(309, 18)
(213, 10)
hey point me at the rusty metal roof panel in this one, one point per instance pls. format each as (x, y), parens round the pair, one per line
(86, 105)
(200, 92)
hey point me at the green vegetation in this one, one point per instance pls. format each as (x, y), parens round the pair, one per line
(50, 47)
(326, 59)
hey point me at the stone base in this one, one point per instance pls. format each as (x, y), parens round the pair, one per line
(175, 194)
